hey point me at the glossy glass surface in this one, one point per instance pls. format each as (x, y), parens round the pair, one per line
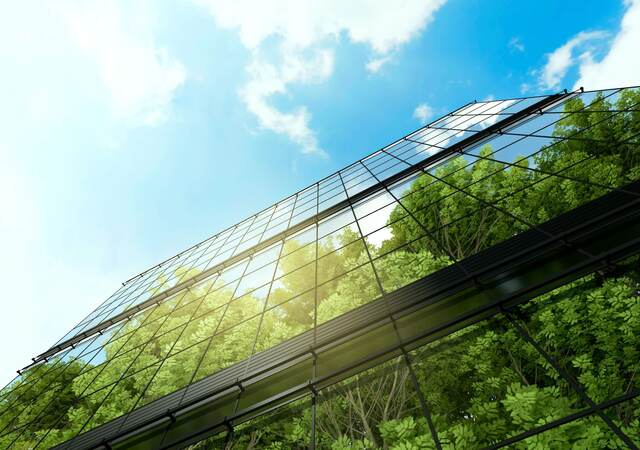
(270, 278)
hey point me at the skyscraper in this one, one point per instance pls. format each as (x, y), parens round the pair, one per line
(473, 284)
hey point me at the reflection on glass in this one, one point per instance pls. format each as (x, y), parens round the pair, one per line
(458, 207)
(377, 409)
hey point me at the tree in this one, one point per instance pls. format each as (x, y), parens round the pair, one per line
(481, 384)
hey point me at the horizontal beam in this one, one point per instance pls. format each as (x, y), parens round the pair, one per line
(534, 262)
(442, 155)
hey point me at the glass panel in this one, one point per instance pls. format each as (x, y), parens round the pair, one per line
(244, 308)
(121, 398)
(559, 160)
(338, 239)
(335, 222)
(408, 264)
(484, 384)
(376, 409)
(347, 292)
(286, 320)
(264, 257)
(295, 257)
(175, 372)
(255, 279)
(229, 347)
(341, 261)
(199, 329)
(292, 284)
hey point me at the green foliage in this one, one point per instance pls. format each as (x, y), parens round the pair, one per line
(481, 384)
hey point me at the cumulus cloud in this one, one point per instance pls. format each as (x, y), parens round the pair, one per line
(267, 79)
(305, 34)
(561, 59)
(140, 77)
(621, 65)
(601, 61)
(423, 113)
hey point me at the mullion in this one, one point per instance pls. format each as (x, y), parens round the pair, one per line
(210, 339)
(486, 106)
(374, 158)
(229, 234)
(411, 145)
(246, 230)
(398, 337)
(51, 382)
(566, 376)
(264, 309)
(412, 137)
(558, 174)
(82, 371)
(492, 153)
(564, 420)
(564, 115)
(383, 166)
(443, 132)
(140, 348)
(470, 107)
(139, 351)
(504, 211)
(386, 164)
(282, 245)
(416, 387)
(546, 136)
(521, 189)
(290, 218)
(554, 112)
(82, 325)
(432, 237)
(314, 370)
(168, 353)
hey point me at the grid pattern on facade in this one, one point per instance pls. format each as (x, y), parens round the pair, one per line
(372, 246)
(303, 205)
(418, 389)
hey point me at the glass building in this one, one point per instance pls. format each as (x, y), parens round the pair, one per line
(474, 284)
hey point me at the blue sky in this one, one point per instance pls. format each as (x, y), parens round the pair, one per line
(131, 130)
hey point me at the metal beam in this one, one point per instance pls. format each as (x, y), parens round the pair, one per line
(442, 155)
(605, 231)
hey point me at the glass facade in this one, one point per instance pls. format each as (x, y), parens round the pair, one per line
(304, 326)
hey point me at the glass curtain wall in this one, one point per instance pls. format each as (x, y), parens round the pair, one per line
(560, 371)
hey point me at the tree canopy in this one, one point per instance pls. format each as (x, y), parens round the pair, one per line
(482, 384)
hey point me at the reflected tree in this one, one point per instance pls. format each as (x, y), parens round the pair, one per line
(482, 384)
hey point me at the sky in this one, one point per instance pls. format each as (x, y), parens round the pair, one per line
(130, 130)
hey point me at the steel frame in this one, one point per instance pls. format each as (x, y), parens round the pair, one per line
(443, 154)
(572, 245)
(493, 282)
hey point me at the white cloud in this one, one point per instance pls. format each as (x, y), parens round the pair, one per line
(516, 45)
(305, 33)
(140, 77)
(621, 65)
(72, 73)
(268, 79)
(561, 59)
(423, 113)
(374, 65)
